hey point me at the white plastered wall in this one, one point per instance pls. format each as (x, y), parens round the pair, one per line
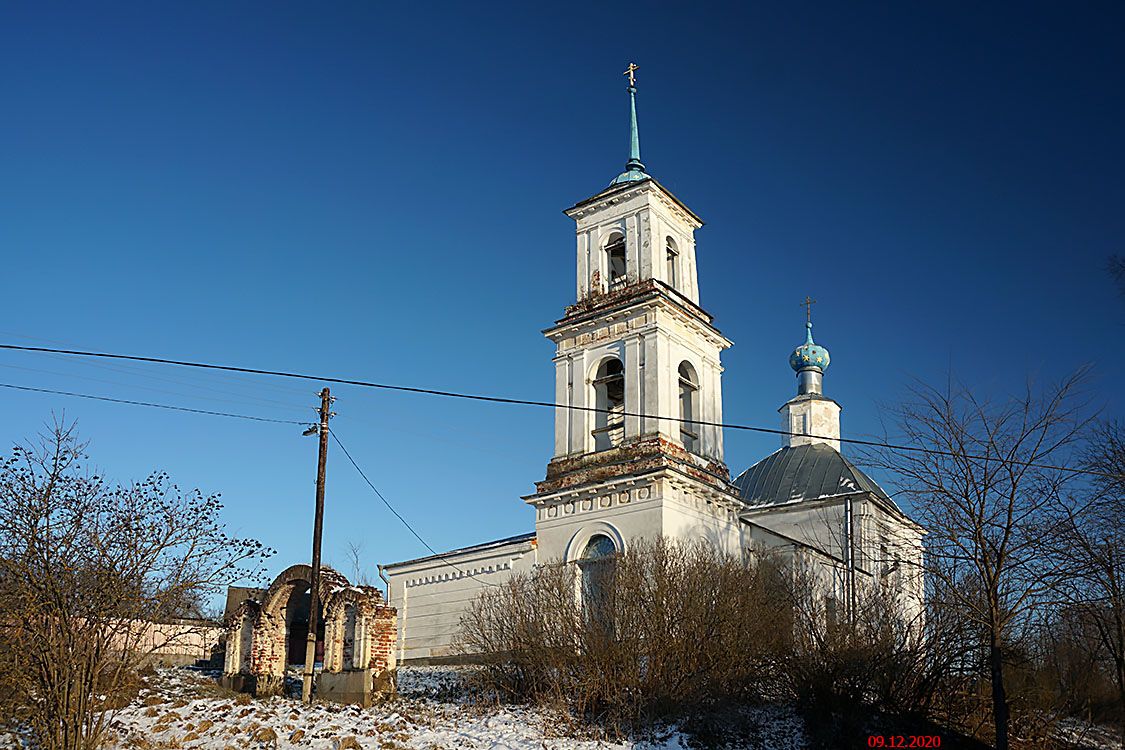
(645, 216)
(665, 504)
(651, 340)
(431, 595)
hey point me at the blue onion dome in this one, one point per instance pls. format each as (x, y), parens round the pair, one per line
(810, 354)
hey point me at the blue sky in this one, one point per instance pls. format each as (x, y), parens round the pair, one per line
(375, 191)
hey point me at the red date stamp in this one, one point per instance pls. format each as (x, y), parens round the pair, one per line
(903, 740)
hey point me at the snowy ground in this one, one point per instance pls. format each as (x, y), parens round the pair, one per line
(185, 709)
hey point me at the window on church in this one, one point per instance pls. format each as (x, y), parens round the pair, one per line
(831, 613)
(672, 260)
(615, 261)
(597, 569)
(609, 400)
(689, 407)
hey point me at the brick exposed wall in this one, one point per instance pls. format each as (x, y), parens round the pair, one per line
(356, 620)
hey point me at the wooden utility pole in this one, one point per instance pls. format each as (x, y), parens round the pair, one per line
(318, 528)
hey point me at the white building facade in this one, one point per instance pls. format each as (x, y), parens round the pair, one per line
(637, 450)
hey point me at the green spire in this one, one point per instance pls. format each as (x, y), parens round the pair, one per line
(634, 168)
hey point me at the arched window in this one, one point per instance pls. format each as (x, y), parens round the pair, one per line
(672, 260)
(615, 261)
(689, 407)
(609, 399)
(596, 566)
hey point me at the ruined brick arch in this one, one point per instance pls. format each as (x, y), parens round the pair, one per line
(277, 596)
(346, 636)
(272, 637)
(359, 636)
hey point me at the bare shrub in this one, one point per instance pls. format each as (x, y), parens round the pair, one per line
(982, 478)
(84, 564)
(675, 628)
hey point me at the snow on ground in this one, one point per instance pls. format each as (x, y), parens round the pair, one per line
(194, 713)
(1079, 734)
(185, 709)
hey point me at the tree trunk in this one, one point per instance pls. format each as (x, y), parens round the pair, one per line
(999, 697)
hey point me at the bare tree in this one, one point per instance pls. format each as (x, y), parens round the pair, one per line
(84, 565)
(1091, 542)
(354, 556)
(980, 480)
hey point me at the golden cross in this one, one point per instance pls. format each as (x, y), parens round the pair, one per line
(807, 304)
(629, 72)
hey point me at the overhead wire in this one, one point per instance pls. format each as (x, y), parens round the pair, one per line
(390, 507)
(149, 404)
(152, 389)
(544, 404)
(398, 515)
(230, 380)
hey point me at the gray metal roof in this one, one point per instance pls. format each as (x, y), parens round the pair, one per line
(803, 472)
(466, 550)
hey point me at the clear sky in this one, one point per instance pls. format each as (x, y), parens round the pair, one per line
(374, 190)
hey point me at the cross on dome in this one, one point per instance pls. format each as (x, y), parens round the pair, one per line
(807, 304)
(629, 72)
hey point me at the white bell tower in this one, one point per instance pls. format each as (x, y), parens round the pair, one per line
(637, 375)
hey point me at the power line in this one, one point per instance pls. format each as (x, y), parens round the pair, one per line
(375, 489)
(398, 515)
(148, 403)
(546, 404)
(241, 400)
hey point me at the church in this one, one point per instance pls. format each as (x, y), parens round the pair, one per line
(638, 450)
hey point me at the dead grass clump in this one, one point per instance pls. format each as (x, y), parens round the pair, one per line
(140, 742)
(348, 743)
(265, 735)
(296, 737)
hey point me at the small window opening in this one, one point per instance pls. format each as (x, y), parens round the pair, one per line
(672, 257)
(689, 407)
(609, 399)
(615, 261)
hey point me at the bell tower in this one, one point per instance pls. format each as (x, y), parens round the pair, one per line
(637, 371)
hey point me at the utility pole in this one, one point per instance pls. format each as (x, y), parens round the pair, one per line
(849, 558)
(318, 528)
